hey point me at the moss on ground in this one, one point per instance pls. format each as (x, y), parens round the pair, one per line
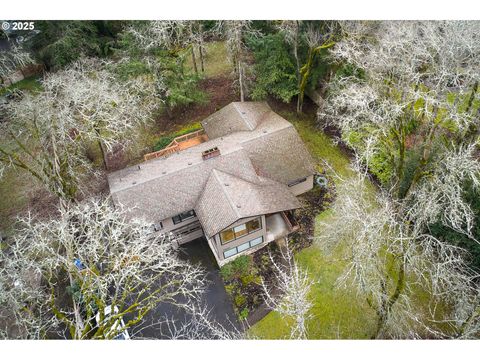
(31, 84)
(337, 313)
(216, 60)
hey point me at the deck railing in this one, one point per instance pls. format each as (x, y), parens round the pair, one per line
(174, 146)
(290, 221)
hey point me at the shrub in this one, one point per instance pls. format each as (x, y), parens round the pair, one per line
(238, 267)
(244, 314)
(240, 300)
(165, 140)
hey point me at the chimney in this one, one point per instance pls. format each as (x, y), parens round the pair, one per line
(210, 153)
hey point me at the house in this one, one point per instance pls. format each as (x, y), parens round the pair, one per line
(234, 182)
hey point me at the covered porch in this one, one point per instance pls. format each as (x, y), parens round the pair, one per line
(279, 225)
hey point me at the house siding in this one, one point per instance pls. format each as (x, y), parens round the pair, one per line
(302, 187)
(169, 226)
(220, 248)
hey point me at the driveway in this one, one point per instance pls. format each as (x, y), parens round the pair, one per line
(215, 297)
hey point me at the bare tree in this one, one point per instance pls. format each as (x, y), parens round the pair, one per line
(50, 131)
(288, 295)
(200, 325)
(408, 75)
(172, 34)
(389, 261)
(235, 32)
(317, 39)
(102, 260)
(12, 60)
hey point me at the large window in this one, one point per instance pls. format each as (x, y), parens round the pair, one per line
(240, 230)
(245, 246)
(183, 216)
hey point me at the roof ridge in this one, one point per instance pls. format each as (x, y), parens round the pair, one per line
(244, 117)
(230, 201)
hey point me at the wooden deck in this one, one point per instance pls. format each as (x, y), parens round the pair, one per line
(179, 143)
(192, 142)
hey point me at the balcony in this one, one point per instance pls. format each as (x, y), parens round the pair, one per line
(280, 225)
(178, 144)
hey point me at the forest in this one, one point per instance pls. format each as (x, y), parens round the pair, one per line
(388, 248)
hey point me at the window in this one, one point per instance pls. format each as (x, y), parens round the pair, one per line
(188, 229)
(298, 181)
(230, 252)
(254, 225)
(240, 230)
(227, 235)
(183, 216)
(242, 247)
(256, 241)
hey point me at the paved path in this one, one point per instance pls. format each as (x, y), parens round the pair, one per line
(215, 296)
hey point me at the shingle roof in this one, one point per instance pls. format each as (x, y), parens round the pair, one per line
(280, 155)
(227, 198)
(163, 187)
(236, 116)
(178, 189)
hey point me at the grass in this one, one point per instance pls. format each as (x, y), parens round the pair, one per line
(14, 196)
(216, 60)
(337, 313)
(165, 140)
(16, 186)
(28, 84)
(321, 146)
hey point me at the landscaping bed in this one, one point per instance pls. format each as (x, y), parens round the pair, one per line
(243, 276)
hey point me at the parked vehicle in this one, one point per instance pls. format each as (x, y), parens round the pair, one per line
(117, 326)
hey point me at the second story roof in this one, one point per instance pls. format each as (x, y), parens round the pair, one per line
(262, 149)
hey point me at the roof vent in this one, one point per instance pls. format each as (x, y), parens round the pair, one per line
(210, 153)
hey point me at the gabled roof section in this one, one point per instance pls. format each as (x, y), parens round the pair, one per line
(174, 189)
(280, 155)
(270, 153)
(228, 198)
(237, 116)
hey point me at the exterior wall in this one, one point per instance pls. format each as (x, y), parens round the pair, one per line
(168, 226)
(218, 248)
(302, 187)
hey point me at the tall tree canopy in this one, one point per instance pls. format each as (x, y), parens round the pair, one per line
(408, 107)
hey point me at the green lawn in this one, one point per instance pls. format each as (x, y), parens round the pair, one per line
(16, 188)
(216, 60)
(337, 313)
(29, 84)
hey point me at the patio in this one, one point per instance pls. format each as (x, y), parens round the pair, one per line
(279, 225)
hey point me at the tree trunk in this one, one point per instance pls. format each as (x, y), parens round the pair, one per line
(240, 80)
(297, 61)
(104, 154)
(472, 97)
(194, 60)
(202, 60)
(386, 307)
